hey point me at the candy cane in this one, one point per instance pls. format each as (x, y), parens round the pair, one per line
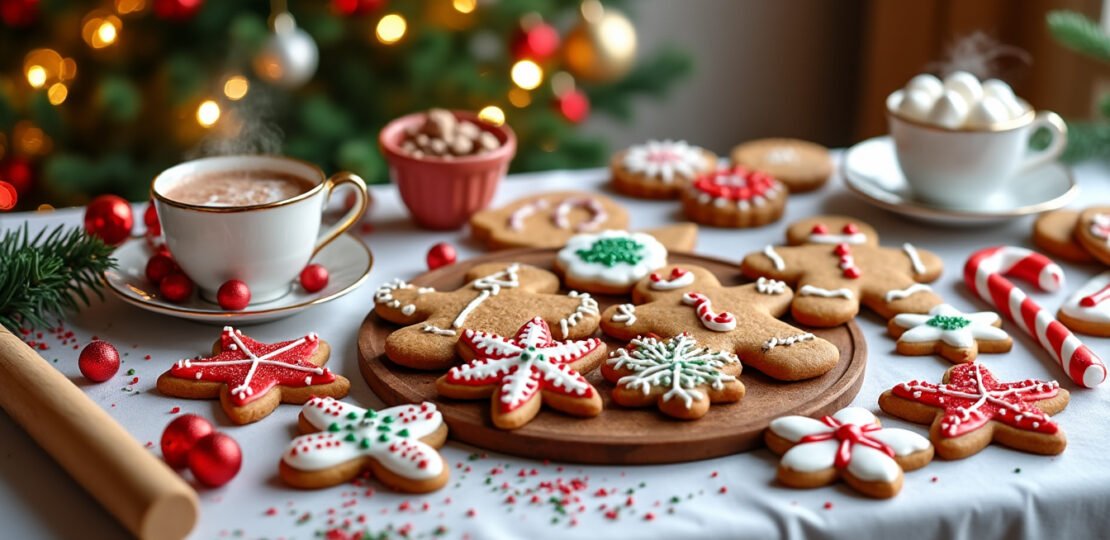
(717, 322)
(985, 273)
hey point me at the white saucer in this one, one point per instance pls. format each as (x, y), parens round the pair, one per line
(871, 171)
(347, 259)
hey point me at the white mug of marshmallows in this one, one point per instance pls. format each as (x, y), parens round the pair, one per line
(960, 141)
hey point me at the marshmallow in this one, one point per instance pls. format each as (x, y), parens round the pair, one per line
(997, 89)
(950, 110)
(928, 84)
(964, 84)
(894, 100)
(989, 111)
(916, 105)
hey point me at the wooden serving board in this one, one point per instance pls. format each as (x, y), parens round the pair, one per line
(619, 435)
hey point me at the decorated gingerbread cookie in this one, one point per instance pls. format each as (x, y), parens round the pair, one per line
(734, 197)
(521, 372)
(677, 375)
(1087, 310)
(850, 445)
(609, 262)
(800, 165)
(742, 320)
(547, 220)
(949, 332)
(836, 263)
(499, 298)
(1054, 232)
(397, 445)
(659, 169)
(970, 409)
(1092, 231)
(251, 378)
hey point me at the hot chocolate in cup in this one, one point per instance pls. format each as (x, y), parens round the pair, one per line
(960, 143)
(251, 218)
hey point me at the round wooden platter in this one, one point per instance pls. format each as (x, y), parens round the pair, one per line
(619, 435)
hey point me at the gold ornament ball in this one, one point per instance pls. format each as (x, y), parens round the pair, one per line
(602, 46)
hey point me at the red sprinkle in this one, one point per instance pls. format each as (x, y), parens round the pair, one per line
(934, 479)
(649, 516)
(713, 474)
(147, 357)
(629, 501)
(723, 490)
(612, 514)
(175, 410)
(271, 511)
(828, 506)
(471, 513)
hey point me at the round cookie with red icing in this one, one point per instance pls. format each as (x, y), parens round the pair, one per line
(800, 165)
(970, 409)
(1054, 232)
(734, 197)
(659, 169)
(1092, 231)
(851, 445)
(252, 378)
(340, 441)
(1087, 310)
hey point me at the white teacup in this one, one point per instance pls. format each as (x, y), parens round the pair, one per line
(963, 168)
(265, 245)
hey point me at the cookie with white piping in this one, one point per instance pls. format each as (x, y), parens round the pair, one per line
(1087, 310)
(949, 332)
(1092, 231)
(735, 197)
(659, 169)
(609, 262)
(850, 445)
(546, 220)
(836, 264)
(800, 165)
(1054, 232)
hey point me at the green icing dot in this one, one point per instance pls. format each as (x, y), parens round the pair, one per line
(403, 433)
(352, 415)
(613, 251)
(384, 437)
(370, 414)
(946, 322)
(387, 420)
(333, 427)
(350, 437)
(365, 443)
(384, 429)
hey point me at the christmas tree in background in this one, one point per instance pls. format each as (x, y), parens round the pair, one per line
(99, 98)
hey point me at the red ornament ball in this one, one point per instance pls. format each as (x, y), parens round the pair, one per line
(181, 435)
(215, 459)
(17, 171)
(538, 42)
(574, 106)
(19, 13)
(441, 254)
(352, 8)
(150, 219)
(314, 277)
(159, 266)
(99, 361)
(176, 287)
(8, 196)
(233, 295)
(177, 10)
(109, 218)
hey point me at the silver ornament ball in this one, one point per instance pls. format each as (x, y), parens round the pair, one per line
(289, 57)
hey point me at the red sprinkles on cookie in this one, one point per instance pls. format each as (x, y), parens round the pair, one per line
(737, 184)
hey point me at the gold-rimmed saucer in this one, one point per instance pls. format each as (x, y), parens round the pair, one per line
(347, 259)
(870, 170)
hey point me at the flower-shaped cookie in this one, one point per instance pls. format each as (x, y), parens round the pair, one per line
(955, 335)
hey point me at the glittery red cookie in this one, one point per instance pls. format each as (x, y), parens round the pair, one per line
(971, 409)
(734, 197)
(251, 378)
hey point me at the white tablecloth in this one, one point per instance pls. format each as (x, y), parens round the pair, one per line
(998, 493)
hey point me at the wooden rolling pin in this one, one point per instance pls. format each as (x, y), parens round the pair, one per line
(141, 491)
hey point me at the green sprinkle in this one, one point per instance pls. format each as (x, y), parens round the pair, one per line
(364, 444)
(384, 437)
(131, 371)
(1017, 470)
(370, 414)
(350, 437)
(612, 251)
(333, 427)
(387, 420)
(675, 499)
(403, 433)
(352, 415)
(384, 429)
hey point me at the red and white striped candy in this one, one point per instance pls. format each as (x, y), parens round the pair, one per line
(985, 273)
(717, 322)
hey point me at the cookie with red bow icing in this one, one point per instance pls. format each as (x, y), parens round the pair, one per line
(851, 445)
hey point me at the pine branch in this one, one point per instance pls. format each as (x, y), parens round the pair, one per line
(43, 276)
(1075, 31)
(1087, 140)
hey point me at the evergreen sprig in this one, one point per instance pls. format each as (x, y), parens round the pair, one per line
(1080, 34)
(45, 275)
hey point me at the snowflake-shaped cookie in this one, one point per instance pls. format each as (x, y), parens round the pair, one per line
(524, 371)
(397, 444)
(953, 334)
(677, 375)
(665, 160)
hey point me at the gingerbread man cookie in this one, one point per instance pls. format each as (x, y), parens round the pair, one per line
(1087, 310)
(947, 331)
(659, 169)
(251, 378)
(499, 298)
(547, 220)
(850, 444)
(676, 375)
(1054, 232)
(800, 165)
(841, 265)
(743, 320)
(1093, 232)
(734, 197)
(971, 409)
(522, 372)
(398, 445)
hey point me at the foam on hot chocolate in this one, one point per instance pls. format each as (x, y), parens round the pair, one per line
(247, 188)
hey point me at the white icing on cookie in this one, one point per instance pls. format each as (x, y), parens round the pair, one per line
(677, 365)
(915, 258)
(717, 322)
(810, 290)
(679, 278)
(1100, 227)
(665, 160)
(626, 313)
(951, 326)
(898, 294)
(594, 206)
(613, 257)
(855, 238)
(384, 295)
(776, 260)
(517, 218)
(586, 306)
(769, 286)
(770, 344)
(1091, 302)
